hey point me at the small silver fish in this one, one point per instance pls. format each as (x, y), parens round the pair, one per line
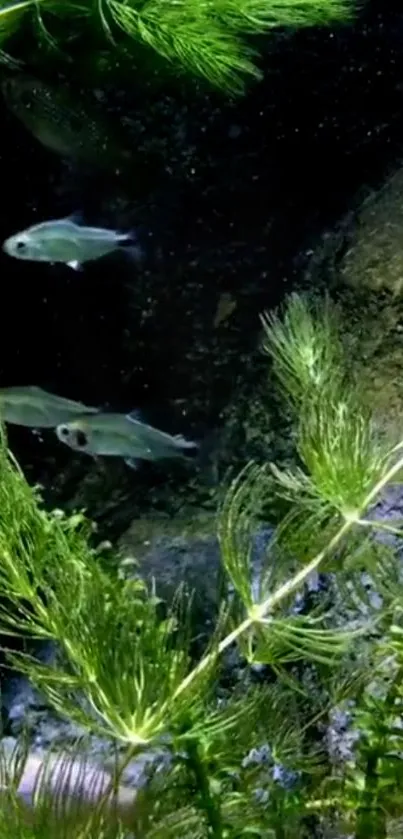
(121, 435)
(36, 408)
(66, 241)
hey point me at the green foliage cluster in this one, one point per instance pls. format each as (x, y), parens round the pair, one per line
(255, 760)
(207, 38)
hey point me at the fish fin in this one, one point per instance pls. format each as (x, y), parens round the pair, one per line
(75, 217)
(128, 236)
(129, 243)
(184, 443)
(132, 463)
(76, 266)
(135, 416)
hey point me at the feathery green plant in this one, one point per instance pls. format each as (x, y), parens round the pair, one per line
(203, 37)
(126, 672)
(305, 347)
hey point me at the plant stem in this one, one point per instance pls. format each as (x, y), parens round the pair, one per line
(287, 588)
(371, 817)
(379, 525)
(208, 802)
(16, 7)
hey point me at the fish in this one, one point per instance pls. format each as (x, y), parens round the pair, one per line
(36, 408)
(67, 125)
(122, 435)
(66, 241)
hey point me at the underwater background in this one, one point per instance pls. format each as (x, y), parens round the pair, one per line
(227, 198)
(230, 199)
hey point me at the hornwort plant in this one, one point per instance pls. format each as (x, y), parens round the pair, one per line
(314, 746)
(205, 38)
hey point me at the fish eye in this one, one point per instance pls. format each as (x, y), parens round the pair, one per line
(64, 431)
(20, 245)
(81, 438)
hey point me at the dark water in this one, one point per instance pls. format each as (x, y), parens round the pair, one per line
(243, 189)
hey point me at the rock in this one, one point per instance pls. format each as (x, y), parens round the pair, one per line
(170, 552)
(374, 256)
(361, 265)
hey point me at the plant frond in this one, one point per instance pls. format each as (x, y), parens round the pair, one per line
(186, 822)
(279, 641)
(256, 16)
(303, 341)
(368, 571)
(305, 529)
(292, 484)
(90, 689)
(242, 712)
(206, 39)
(59, 794)
(58, 590)
(342, 451)
(336, 438)
(275, 718)
(11, 16)
(265, 752)
(184, 34)
(236, 523)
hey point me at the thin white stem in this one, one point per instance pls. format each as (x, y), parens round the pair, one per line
(259, 612)
(379, 525)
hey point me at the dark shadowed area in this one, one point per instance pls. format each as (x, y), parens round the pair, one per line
(226, 197)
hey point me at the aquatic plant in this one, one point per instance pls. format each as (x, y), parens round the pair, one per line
(318, 743)
(207, 39)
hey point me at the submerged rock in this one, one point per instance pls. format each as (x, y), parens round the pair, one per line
(172, 552)
(361, 264)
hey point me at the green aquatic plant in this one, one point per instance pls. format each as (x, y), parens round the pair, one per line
(248, 759)
(203, 37)
(305, 347)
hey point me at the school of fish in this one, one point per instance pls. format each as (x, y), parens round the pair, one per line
(77, 132)
(90, 430)
(83, 428)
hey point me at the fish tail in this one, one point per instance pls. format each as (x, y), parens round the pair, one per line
(183, 443)
(129, 242)
(128, 237)
(131, 462)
